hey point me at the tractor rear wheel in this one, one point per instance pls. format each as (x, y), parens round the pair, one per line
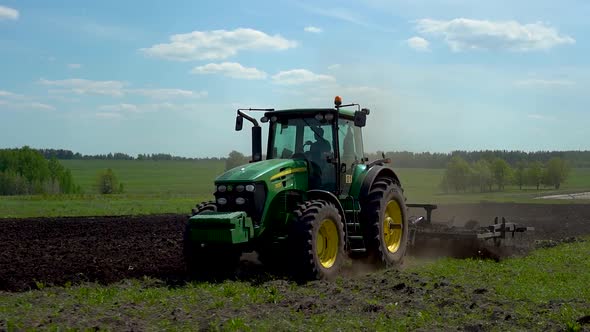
(208, 262)
(386, 223)
(316, 241)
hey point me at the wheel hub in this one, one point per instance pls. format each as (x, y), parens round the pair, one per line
(392, 227)
(327, 243)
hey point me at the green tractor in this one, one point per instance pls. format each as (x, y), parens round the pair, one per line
(314, 200)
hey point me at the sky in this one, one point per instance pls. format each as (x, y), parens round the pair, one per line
(167, 77)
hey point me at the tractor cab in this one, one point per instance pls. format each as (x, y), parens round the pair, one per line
(329, 139)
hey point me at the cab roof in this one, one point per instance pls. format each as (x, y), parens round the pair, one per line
(347, 112)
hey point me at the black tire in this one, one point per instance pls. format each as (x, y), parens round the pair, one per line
(309, 258)
(208, 262)
(202, 207)
(385, 247)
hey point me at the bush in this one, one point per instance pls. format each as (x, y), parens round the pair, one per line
(235, 159)
(107, 182)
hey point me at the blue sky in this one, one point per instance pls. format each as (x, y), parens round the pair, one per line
(153, 76)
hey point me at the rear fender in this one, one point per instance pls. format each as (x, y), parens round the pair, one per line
(374, 173)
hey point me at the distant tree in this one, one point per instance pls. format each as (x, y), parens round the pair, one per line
(457, 174)
(501, 172)
(107, 182)
(557, 172)
(520, 174)
(534, 174)
(482, 175)
(235, 159)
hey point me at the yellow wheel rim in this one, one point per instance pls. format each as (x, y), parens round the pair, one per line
(392, 226)
(327, 243)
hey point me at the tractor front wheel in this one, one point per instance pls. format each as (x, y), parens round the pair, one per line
(316, 241)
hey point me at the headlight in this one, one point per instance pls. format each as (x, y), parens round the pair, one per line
(240, 200)
(221, 188)
(250, 188)
(221, 201)
(239, 188)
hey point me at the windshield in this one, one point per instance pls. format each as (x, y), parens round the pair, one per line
(304, 136)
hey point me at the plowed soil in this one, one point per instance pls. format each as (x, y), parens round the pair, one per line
(106, 249)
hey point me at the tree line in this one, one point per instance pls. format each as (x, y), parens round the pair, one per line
(70, 155)
(485, 175)
(405, 159)
(402, 159)
(26, 171)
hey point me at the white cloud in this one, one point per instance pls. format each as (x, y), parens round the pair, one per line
(312, 29)
(8, 94)
(542, 82)
(216, 44)
(27, 105)
(18, 101)
(74, 65)
(118, 108)
(85, 87)
(144, 108)
(337, 13)
(335, 66)
(115, 89)
(108, 115)
(230, 69)
(300, 76)
(7, 13)
(39, 106)
(418, 43)
(467, 34)
(540, 117)
(167, 93)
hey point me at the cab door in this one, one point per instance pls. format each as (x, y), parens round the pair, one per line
(351, 152)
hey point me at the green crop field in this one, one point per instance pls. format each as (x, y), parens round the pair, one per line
(176, 186)
(545, 291)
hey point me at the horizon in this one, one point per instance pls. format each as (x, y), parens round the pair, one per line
(438, 77)
(246, 154)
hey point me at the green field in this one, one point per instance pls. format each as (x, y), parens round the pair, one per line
(175, 186)
(545, 291)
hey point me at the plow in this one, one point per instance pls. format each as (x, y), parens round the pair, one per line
(314, 199)
(471, 240)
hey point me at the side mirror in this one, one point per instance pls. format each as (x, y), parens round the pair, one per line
(239, 123)
(360, 119)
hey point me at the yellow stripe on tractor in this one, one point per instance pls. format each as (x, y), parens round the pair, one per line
(287, 172)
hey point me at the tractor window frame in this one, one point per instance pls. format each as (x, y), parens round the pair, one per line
(330, 129)
(357, 134)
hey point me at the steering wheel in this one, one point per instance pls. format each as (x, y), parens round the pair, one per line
(298, 155)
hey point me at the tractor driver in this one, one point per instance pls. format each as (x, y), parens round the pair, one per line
(320, 147)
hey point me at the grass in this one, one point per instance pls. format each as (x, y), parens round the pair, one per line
(150, 177)
(546, 290)
(176, 186)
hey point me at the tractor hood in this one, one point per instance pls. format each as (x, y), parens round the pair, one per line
(262, 170)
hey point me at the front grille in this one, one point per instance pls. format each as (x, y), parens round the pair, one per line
(254, 206)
